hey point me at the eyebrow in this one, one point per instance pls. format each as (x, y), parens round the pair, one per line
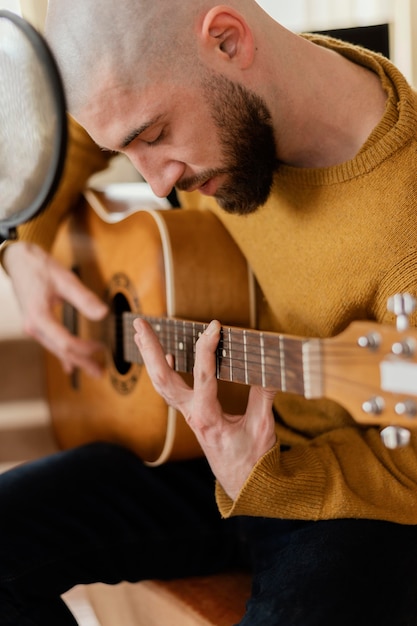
(137, 132)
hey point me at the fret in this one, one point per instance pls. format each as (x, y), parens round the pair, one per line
(223, 357)
(262, 346)
(179, 355)
(198, 329)
(313, 379)
(219, 354)
(184, 347)
(168, 345)
(293, 348)
(194, 340)
(243, 356)
(282, 364)
(242, 362)
(233, 362)
(190, 340)
(229, 335)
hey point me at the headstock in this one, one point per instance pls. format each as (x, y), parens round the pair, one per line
(371, 370)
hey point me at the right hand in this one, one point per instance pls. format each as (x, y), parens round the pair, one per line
(232, 444)
(40, 282)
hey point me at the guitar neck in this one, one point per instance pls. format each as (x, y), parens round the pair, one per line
(243, 356)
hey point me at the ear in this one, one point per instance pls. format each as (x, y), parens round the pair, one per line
(225, 33)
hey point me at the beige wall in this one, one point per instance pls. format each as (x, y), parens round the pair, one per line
(34, 11)
(404, 38)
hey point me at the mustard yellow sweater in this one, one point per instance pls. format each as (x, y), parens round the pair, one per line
(329, 247)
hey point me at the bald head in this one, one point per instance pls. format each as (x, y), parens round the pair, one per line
(133, 40)
(90, 39)
(182, 87)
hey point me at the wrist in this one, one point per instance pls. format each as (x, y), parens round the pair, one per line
(12, 253)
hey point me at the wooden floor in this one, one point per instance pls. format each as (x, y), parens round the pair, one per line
(81, 607)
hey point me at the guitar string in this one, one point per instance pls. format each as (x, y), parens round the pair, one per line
(271, 352)
(244, 366)
(241, 369)
(346, 351)
(249, 354)
(342, 350)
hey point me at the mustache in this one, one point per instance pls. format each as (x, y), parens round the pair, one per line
(192, 182)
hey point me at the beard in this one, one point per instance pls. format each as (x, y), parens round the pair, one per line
(248, 147)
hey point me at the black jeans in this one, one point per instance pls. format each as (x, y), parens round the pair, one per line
(97, 513)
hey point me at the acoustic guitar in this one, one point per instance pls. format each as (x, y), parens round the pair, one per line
(151, 263)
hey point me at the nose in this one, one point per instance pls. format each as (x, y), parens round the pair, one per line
(161, 174)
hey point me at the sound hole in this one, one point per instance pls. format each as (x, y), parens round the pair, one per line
(119, 306)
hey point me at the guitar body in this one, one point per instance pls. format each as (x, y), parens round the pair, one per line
(175, 263)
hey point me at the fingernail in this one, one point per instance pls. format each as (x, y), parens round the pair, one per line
(212, 328)
(137, 326)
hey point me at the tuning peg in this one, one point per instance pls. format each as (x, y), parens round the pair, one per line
(405, 348)
(402, 305)
(407, 408)
(373, 406)
(395, 437)
(371, 341)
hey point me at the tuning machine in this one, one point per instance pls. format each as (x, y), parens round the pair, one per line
(394, 437)
(402, 305)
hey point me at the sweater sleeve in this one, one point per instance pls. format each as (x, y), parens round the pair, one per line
(324, 479)
(345, 472)
(83, 159)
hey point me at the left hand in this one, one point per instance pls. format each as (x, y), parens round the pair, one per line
(232, 443)
(40, 282)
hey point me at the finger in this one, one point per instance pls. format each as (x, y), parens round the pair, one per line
(88, 356)
(206, 405)
(72, 351)
(259, 418)
(260, 400)
(149, 346)
(92, 367)
(166, 382)
(205, 359)
(170, 360)
(69, 287)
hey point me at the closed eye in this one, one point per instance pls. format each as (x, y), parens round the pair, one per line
(150, 133)
(155, 141)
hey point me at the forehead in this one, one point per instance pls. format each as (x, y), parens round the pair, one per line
(114, 110)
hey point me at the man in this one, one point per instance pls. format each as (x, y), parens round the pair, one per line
(308, 147)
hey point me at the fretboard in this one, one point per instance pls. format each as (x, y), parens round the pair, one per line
(243, 356)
